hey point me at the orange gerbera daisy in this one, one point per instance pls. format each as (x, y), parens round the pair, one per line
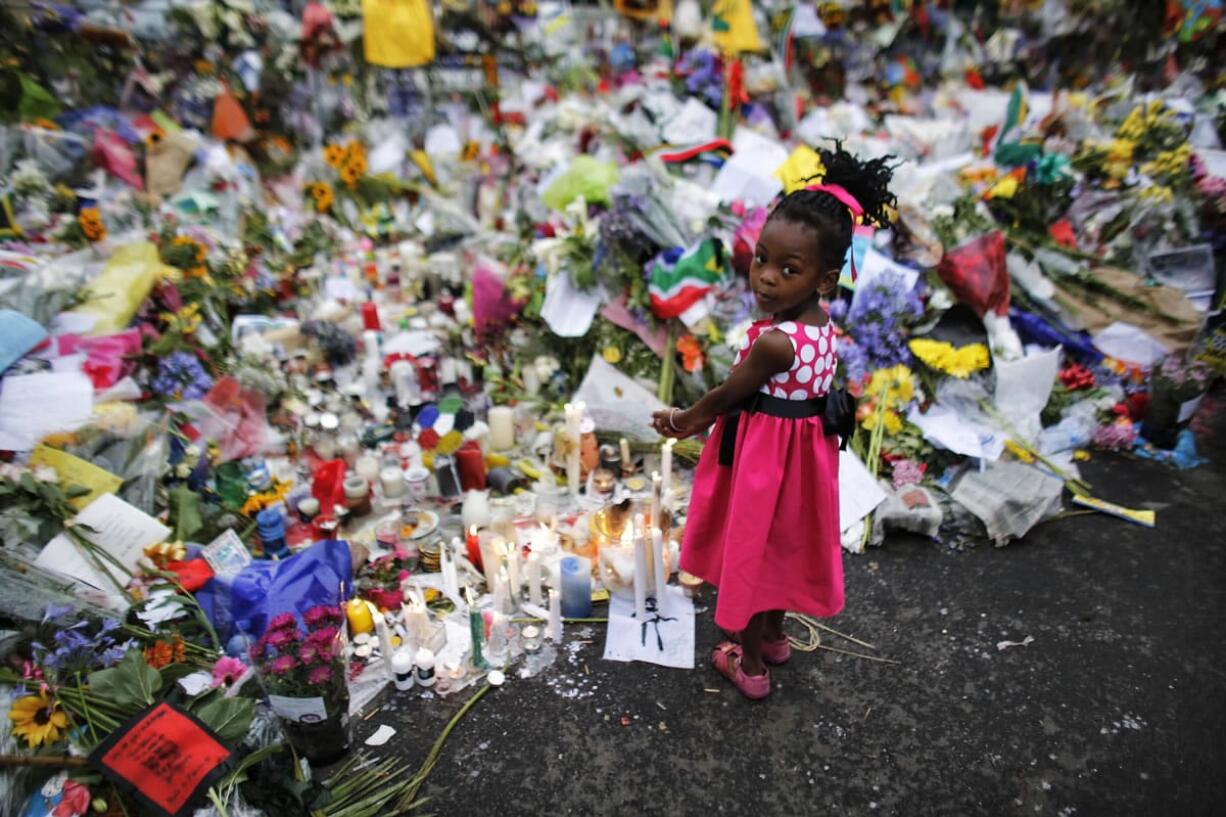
(334, 155)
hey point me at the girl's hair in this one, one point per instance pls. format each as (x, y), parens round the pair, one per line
(866, 180)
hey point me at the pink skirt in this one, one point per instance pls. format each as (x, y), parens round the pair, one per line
(765, 530)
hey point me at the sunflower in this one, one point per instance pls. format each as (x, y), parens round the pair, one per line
(355, 150)
(37, 719)
(321, 192)
(91, 224)
(349, 175)
(187, 241)
(334, 155)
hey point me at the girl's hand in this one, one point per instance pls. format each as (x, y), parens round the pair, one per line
(673, 423)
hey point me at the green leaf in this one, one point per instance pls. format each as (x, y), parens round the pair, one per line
(186, 505)
(228, 717)
(131, 684)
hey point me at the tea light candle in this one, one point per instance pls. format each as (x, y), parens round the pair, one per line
(472, 544)
(576, 587)
(392, 480)
(555, 617)
(502, 428)
(661, 581)
(475, 511)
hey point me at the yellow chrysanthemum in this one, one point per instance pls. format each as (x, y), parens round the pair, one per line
(611, 355)
(943, 357)
(896, 385)
(1019, 452)
(37, 719)
(889, 419)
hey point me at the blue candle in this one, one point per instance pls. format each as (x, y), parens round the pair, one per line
(576, 587)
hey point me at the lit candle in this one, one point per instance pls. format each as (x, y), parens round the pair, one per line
(666, 480)
(502, 428)
(513, 552)
(491, 556)
(533, 571)
(640, 576)
(661, 581)
(472, 543)
(574, 417)
(555, 616)
(624, 445)
(656, 479)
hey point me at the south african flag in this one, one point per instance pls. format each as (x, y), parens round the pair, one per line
(679, 279)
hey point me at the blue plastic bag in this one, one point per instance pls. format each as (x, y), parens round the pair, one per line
(241, 607)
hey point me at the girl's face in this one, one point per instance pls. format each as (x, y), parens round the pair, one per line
(787, 273)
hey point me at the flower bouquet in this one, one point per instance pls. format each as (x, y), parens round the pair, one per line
(1174, 386)
(302, 668)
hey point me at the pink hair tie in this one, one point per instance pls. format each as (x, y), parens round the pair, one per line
(840, 193)
(848, 200)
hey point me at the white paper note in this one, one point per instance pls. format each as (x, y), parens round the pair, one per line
(120, 529)
(1022, 389)
(567, 310)
(952, 431)
(665, 638)
(859, 493)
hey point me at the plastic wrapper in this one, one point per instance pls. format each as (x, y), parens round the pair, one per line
(398, 33)
(588, 177)
(975, 271)
(136, 453)
(235, 417)
(244, 604)
(911, 508)
(125, 283)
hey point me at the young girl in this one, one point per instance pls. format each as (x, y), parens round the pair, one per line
(763, 523)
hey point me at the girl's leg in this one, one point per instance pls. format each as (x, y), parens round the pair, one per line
(751, 645)
(773, 629)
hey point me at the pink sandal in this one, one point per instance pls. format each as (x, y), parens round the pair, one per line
(773, 652)
(727, 661)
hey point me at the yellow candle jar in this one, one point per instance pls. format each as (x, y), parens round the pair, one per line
(360, 619)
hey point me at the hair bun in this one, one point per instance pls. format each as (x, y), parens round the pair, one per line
(867, 180)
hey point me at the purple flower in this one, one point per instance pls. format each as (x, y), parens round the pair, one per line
(878, 320)
(282, 664)
(320, 675)
(181, 376)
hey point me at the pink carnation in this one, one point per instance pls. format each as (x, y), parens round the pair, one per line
(280, 639)
(227, 670)
(323, 636)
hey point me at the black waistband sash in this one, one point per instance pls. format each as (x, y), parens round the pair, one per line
(772, 406)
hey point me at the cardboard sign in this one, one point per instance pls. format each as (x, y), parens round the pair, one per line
(165, 758)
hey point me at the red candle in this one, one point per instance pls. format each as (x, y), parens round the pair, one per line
(471, 463)
(473, 545)
(370, 317)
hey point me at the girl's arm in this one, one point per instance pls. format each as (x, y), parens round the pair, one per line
(771, 354)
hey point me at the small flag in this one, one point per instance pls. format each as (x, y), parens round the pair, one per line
(680, 280)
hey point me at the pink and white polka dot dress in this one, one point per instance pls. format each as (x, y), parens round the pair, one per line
(814, 363)
(765, 529)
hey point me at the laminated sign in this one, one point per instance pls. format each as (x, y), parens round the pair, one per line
(165, 757)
